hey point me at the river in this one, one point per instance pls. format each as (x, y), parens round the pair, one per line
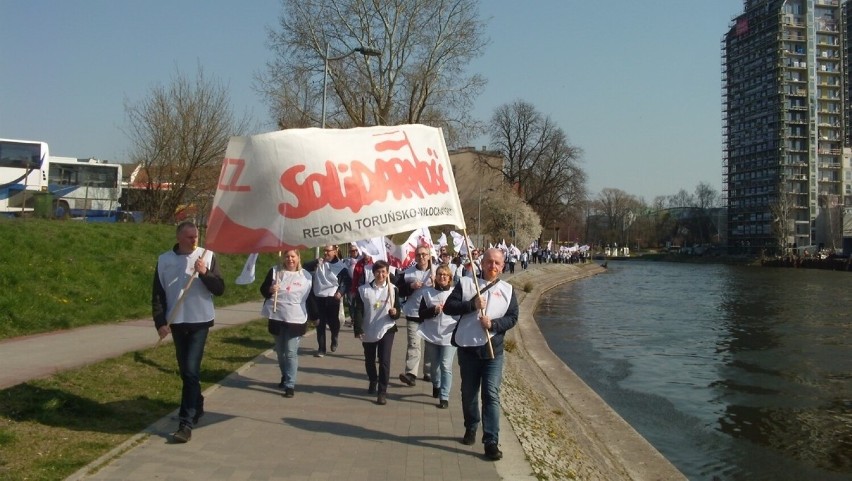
(731, 372)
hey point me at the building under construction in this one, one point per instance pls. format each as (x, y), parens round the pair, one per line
(786, 124)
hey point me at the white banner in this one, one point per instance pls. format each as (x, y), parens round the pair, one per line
(300, 188)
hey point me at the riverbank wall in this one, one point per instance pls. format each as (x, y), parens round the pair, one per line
(566, 429)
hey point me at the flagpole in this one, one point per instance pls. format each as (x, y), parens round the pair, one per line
(478, 294)
(275, 297)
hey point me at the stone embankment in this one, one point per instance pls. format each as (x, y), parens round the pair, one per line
(566, 429)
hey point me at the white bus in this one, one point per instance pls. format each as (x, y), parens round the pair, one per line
(87, 188)
(21, 162)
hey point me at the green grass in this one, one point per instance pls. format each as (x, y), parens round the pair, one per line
(51, 428)
(59, 275)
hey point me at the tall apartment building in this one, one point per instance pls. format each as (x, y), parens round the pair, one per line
(786, 123)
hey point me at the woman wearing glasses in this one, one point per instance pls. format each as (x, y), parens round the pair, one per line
(437, 330)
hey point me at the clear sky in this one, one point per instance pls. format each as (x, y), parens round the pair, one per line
(636, 85)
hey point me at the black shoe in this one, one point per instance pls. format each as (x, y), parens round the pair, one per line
(198, 414)
(183, 434)
(436, 392)
(281, 384)
(320, 354)
(381, 400)
(372, 388)
(289, 392)
(443, 404)
(333, 346)
(469, 437)
(427, 378)
(408, 379)
(492, 452)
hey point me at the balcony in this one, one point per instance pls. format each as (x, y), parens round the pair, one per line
(829, 165)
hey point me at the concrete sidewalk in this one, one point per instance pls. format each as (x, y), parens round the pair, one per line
(331, 430)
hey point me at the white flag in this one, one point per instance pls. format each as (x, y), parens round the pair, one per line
(374, 247)
(247, 275)
(442, 241)
(459, 244)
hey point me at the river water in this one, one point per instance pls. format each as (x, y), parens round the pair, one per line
(731, 372)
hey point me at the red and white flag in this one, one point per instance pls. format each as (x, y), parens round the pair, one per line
(394, 254)
(301, 188)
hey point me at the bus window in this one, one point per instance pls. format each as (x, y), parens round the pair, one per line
(20, 155)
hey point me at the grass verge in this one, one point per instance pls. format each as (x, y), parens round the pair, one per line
(50, 428)
(59, 275)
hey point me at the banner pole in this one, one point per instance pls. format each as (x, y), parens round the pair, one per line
(277, 273)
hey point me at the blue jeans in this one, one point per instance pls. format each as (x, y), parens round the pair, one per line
(189, 348)
(483, 377)
(287, 347)
(442, 367)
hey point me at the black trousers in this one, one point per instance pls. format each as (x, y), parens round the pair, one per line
(382, 348)
(329, 311)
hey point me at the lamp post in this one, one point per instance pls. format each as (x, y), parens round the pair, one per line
(479, 214)
(365, 51)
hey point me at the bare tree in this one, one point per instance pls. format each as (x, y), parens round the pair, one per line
(783, 211)
(617, 208)
(420, 76)
(179, 134)
(831, 220)
(682, 199)
(539, 162)
(706, 197)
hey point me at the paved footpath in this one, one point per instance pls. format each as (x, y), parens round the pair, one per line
(331, 430)
(42, 355)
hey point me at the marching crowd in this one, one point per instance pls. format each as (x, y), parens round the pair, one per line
(454, 308)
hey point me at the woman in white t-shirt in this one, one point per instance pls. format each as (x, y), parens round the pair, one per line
(285, 290)
(436, 329)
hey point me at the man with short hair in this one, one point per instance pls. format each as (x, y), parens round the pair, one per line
(411, 283)
(330, 282)
(350, 263)
(486, 312)
(183, 306)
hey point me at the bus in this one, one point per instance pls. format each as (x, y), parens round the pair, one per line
(21, 164)
(80, 188)
(87, 188)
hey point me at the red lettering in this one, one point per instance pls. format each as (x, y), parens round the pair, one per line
(235, 167)
(354, 186)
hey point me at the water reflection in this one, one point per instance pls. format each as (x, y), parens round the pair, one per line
(732, 372)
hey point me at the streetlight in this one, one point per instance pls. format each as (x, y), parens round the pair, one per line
(365, 51)
(479, 213)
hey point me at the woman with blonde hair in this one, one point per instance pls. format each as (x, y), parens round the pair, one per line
(437, 330)
(285, 290)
